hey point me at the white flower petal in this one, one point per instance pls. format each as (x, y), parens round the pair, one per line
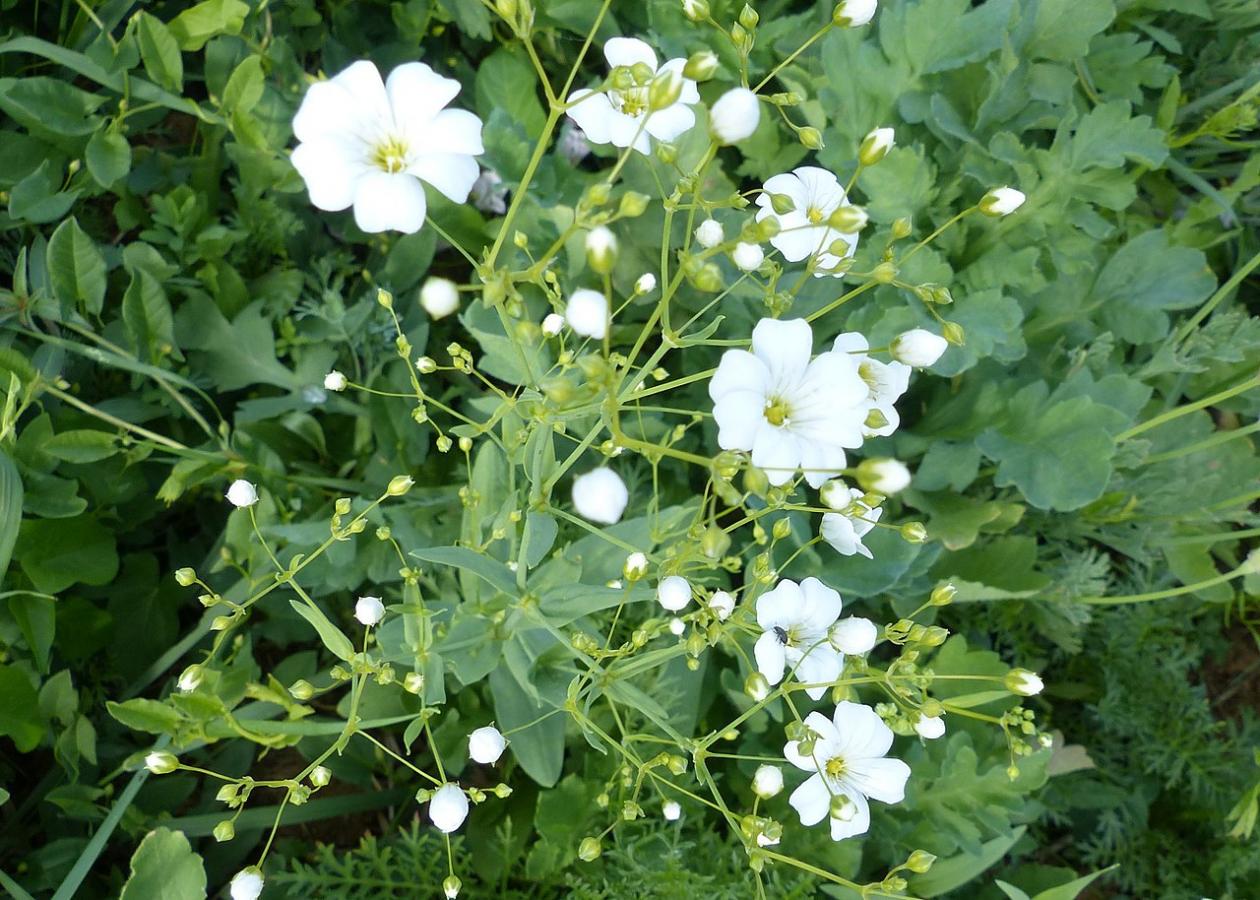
(739, 370)
(820, 461)
(788, 184)
(822, 605)
(353, 102)
(821, 187)
(739, 414)
(785, 347)
(670, 123)
(859, 823)
(777, 451)
(624, 51)
(882, 779)
(771, 658)
(450, 131)
(331, 168)
(820, 667)
(812, 800)
(593, 115)
(416, 95)
(385, 202)
(863, 734)
(780, 606)
(452, 174)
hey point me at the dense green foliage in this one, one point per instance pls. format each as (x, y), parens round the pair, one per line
(171, 303)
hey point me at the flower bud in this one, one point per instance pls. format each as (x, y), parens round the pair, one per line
(552, 324)
(810, 138)
(1024, 682)
(748, 257)
(439, 297)
(600, 496)
(722, 604)
(701, 66)
(709, 233)
(589, 850)
(757, 687)
(601, 249)
(853, 635)
(635, 566)
(673, 593)
(848, 218)
(885, 476)
(384, 298)
(369, 610)
(632, 205)
(242, 493)
(645, 284)
(189, 679)
(413, 683)
(450, 886)
(159, 762)
(853, 13)
(953, 333)
(335, 381)
(842, 808)
(918, 347)
(734, 117)
(929, 727)
(247, 884)
(224, 831)
(302, 689)
(665, 89)
(767, 781)
(486, 745)
(875, 146)
(943, 595)
(426, 365)
(587, 312)
(448, 807)
(399, 485)
(1001, 202)
(913, 532)
(782, 204)
(185, 577)
(920, 861)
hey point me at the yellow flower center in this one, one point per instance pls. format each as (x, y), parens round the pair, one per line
(815, 215)
(777, 412)
(834, 767)
(631, 101)
(390, 156)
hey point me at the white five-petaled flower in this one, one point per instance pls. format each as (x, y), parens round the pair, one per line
(600, 496)
(369, 610)
(929, 727)
(674, 592)
(816, 194)
(623, 115)
(448, 807)
(247, 884)
(845, 528)
(369, 144)
(335, 381)
(796, 621)
(848, 760)
(241, 493)
(587, 313)
(735, 115)
(486, 745)
(886, 381)
(439, 297)
(787, 411)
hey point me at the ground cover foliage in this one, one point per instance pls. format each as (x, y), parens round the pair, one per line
(1082, 506)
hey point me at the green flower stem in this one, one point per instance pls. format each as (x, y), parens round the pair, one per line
(792, 56)
(398, 757)
(1246, 568)
(840, 301)
(1188, 408)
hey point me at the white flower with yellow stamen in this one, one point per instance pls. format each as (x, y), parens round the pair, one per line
(887, 381)
(803, 231)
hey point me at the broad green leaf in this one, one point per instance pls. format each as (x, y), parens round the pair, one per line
(239, 353)
(160, 52)
(164, 867)
(76, 268)
(245, 88)
(947, 874)
(56, 553)
(150, 716)
(493, 572)
(332, 636)
(47, 105)
(108, 157)
(506, 81)
(20, 718)
(538, 536)
(194, 26)
(1072, 889)
(1145, 277)
(147, 315)
(1063, 28)
(37, 197)
(82, 445)
(11, 492)
(539, 748)
(36, 616)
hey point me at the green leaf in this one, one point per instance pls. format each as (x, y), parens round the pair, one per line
(20, 718)
(160, 52)
(239, 353)
(149, 716)
(1057, 454)
(947, 874)
(1072, 889)
(1145, 277)
(36, 197)
(49, 105)
(147, 315)
(506, 81)
(538, 537)
(539, 748)
(194, 26)
(10, 509)
(332, 636)
(1108, 135)
(76, 268)
(81, 445)
(108, 157)
(1063, 28)
(36, 616)
(56, 553)
(472, 19)
(245, 88)
(164, 867)
(493, 572)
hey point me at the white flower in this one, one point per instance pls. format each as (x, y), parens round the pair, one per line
(335, 381)
(854, 13)
(645, 284)
(918, 347)
(853, 635)
(848, 760)
(189, 679)
(486, 745)
(884, 476)
(795, 621)
(767, 781)
(489, 193)
(368, 144)
(1024, 683)
(369, 610)
(552, 323)
(787, 411)
(671, 810)
(674, 592)
(241, 493)
(930, 727)
(709, 233)
(1002, 201)
(886, 382)
(600, 495)
(748, 256)
(623, 116)
(845, 529)
(439, 297)
(448, 807)
(635, 566)
(601, 249)
(875, 146)
(677, 626)
(722, 604)
(804, 232)
(587, 313)
(735, 116)
(247, 884)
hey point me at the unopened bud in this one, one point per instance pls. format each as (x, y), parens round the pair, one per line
(914, 532)
(943, 595)
(701, 66)
(224, 831)
(875, 146)
(399, 485)
(589, 850)
(848, 219)
(953, 332)
(810, 138)
(185, 577)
